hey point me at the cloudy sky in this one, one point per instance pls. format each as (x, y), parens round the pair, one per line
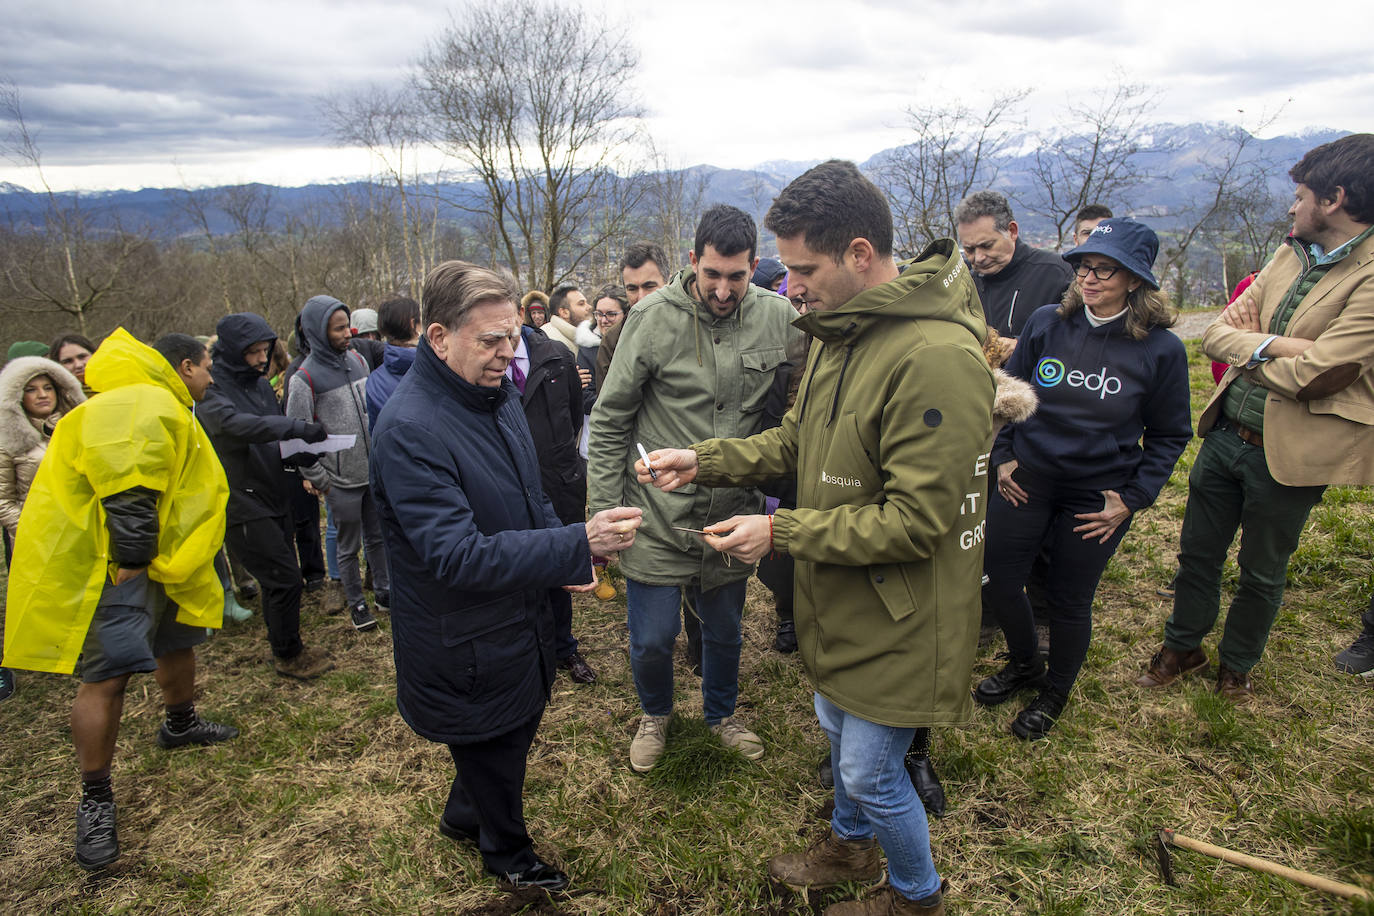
(141, 93)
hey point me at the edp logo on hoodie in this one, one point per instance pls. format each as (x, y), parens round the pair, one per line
(1050, 372)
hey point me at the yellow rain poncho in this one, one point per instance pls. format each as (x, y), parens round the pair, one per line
(137, 431)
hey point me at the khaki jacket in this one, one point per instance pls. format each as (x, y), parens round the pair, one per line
(1319, 416)
(889, 441)
(681, 374)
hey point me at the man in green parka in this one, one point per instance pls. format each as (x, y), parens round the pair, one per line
(888, 439)
(695, 359)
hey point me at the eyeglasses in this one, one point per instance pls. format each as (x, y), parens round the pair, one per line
(1082, 270)
(606, 316)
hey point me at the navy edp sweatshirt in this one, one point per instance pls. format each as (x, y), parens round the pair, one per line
(1114, 411)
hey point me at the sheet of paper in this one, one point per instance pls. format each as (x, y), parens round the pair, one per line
(291, 447)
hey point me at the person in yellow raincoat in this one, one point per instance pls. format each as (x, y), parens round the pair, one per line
(115, 560)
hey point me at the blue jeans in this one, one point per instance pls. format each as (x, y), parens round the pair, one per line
(874, 797)
(654, 619)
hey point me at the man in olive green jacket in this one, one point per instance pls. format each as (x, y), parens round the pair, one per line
(695, 359)
(888, 440)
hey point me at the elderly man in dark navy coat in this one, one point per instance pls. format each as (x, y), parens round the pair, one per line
(474, 545)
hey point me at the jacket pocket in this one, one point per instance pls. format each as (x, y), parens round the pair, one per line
(760, 364)
(1347, 408)
(900, 587)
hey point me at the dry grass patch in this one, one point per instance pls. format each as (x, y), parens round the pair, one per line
(329, 804)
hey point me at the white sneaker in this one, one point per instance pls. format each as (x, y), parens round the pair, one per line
(732, 734)
(648, 743)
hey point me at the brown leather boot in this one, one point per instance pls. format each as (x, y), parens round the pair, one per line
(884, 901)
(827, 862)
(1234, 685)
(1168, 665)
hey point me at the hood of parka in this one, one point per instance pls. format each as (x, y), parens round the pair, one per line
(679, 291)
(315, 316)
(236, 333)
(936, 286)
(124, 360)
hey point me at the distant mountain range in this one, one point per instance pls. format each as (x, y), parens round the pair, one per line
(1189, 150)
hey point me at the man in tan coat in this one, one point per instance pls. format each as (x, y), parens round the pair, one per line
(1293, 414)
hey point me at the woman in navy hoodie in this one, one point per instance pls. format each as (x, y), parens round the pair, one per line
(1113, 419)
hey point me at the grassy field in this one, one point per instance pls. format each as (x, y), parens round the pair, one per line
(328, 803)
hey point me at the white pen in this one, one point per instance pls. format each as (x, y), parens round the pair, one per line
(653, 475)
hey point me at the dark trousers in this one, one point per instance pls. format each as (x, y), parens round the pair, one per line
(1230, 487)
(264, 547)
(488, 797)
(305, 517)
(565, 643)
(776, 572)
(1015, 537)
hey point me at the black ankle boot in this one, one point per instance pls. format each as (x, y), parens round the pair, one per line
(1016, 676)
(1036, 720)
(922, 774)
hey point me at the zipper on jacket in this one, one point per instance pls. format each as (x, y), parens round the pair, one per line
(844, 367)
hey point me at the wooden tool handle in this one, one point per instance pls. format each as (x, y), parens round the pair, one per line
(1264, 865)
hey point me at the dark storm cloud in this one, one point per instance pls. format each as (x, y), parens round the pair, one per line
(99, 81)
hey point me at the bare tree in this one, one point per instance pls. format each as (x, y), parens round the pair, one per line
(389, 125)
(955, 152)
(78, 264)
(1234, 191)
(534, 100)
(1097, 157)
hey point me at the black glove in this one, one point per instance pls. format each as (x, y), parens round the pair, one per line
(314, 432)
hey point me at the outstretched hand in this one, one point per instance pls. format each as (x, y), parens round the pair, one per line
(672, 467)
(613, 530)
(744, 537)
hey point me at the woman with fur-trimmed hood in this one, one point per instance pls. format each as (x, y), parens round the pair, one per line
(34, 394)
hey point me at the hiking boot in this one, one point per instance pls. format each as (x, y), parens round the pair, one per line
(458, 834)
(248, 590)
(333, 600)
(1232, 684)
(1167, 591)
(1168, 665)
(97, 838)
(1359, 658)
(382, 598)
(362, 617)
(200, 732)
(1036, 720)
(825, 772)
(785, 640)
(7, 683)
(314, 584)
(884, 901)
(305, 665)
(1014, 676)
(827, 862)
(732, 734)
(648, 743)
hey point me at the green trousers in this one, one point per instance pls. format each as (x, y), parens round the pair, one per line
(1230, 487)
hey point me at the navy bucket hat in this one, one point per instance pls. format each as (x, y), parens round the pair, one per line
(1132, 244)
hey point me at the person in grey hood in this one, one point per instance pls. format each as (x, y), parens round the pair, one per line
(329, 388)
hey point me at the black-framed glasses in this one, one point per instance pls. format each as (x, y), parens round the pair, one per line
(1082, 270)
(606, 316)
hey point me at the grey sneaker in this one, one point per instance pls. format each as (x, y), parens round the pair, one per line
(732, 734)
(362, 617)
(200, 732)
(648, 743)
(97, 839)
(1359, 658)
